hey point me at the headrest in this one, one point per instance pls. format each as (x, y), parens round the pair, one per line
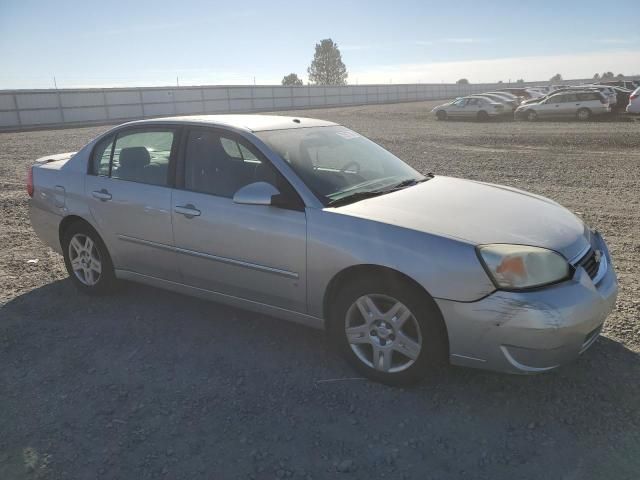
(134, 157)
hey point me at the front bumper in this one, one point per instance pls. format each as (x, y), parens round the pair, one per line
(533, 331)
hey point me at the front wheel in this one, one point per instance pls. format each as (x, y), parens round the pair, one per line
(87, 259)
(483, 116)
(532, 116)
(583, 114)
(389, 330)
(441, 115)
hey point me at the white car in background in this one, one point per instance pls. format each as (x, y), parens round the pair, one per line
(471, 107)
(581, 105)
(508, 102)
(634, 101)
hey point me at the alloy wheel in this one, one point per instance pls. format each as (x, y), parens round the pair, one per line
(383, 333)
(85, 259)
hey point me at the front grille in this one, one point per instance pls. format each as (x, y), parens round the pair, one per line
(590, 262)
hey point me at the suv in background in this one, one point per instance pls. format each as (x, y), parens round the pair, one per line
(579, 104)
(634, 101)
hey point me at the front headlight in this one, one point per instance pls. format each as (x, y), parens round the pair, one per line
(515, 267)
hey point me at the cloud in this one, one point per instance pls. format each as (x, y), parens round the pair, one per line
(534, 68)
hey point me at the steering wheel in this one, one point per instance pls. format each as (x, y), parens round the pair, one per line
(353, 163)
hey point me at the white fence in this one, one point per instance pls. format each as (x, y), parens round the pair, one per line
(24, 109)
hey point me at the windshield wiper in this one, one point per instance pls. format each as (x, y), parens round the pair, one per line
(356, 197)
(362, 195)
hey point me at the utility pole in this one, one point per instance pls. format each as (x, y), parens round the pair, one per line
(55, 84)
(177, 81)
(254, 80)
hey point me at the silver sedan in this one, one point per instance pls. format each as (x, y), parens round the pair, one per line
(472, 107)
(312, 222)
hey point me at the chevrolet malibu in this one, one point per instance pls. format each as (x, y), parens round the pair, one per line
(311, 222)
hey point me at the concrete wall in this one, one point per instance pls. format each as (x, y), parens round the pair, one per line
(24, 109)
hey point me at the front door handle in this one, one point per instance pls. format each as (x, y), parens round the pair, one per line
(187, 210)
(103, 195)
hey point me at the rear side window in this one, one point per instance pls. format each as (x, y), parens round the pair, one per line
(588, 96)
(102, 157)
(143, 156)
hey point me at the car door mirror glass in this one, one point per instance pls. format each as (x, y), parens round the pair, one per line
(258, 193)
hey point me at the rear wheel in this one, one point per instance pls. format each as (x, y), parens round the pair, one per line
(583, 114)
(483, 116)
(388, 330)
(532, 115)
(441, 115)
(87, 259)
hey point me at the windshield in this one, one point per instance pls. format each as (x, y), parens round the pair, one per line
(335, 162)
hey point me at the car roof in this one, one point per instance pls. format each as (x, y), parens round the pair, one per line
(252, 123)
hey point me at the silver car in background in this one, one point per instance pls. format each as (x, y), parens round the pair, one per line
(471, 107)
(311, 222)
(579, 104)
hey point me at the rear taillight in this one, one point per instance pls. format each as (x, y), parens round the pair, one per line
(30, 182)
(633, 97)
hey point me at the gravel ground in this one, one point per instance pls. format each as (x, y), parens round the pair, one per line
(149, 384)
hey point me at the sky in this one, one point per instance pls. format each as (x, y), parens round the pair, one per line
(195, 42)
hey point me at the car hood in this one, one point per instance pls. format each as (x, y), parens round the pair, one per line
(478, 213)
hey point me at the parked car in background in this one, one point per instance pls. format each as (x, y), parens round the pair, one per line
(512, 104)
(634, 102)
(309, 221)
(507, 95)
(622, 98)
(628, 84)
(580, 104)
(523, 92)
(472, 108)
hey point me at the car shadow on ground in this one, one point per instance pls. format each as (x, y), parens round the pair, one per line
(146, 383)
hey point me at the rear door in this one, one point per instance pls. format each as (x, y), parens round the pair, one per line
(129, 195)
(253, 252)
(569, 105)
(471, 107)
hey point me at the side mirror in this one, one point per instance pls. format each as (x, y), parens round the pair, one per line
(258, 193)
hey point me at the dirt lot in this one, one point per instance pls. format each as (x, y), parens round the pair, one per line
(149, 384)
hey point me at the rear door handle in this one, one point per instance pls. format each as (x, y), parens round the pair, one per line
(187, 210)
(103, 195)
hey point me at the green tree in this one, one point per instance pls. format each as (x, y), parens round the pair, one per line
(620, 76)
(463, 81)
(596, 76)
(291, 80)
(556, 78)
(327, 67)
(607, 76)
(520, 80)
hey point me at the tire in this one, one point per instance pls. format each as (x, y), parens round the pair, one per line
(583, 114)
(483, 116)
(441, 115)
(532, 115)
(87, 259)
(393, 349)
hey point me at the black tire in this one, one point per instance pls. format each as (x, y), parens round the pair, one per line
(441, 115)
(583, 114)
(105, 281)
(531, 115)
(483, 116)
(434, 343)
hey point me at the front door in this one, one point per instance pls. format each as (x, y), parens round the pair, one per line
(130, 200)
(253, 252)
